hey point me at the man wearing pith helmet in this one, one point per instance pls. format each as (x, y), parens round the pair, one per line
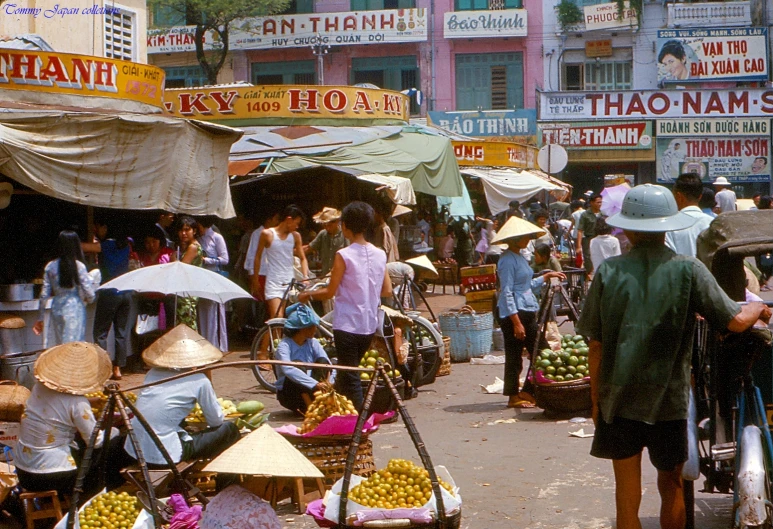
(639, 317)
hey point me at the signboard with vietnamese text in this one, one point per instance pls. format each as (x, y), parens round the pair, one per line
(27, 73)
(476, 24)
(301, 31)
(487, 123)
(495, 154)
(724, 54)
(736, 149)
(598, 135)
(655, 104)
(607, 16)
(288, 103)
(598, 48)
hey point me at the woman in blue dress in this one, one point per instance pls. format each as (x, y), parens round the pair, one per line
(67, 279)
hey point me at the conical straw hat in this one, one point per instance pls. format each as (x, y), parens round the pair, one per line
(75, 367)
(517, 227)
(423, 262)
(181, 348)
(264, 453)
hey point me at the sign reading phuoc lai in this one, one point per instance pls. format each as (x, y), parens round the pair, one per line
(607, 16)
(288, 103)
(655, 104)
(732, 54)
(475, 24)
(738, 149)
(487, 123)
(598, 135)
(41, 76)
(299, 31)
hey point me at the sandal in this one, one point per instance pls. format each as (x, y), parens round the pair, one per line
(528, 397)
(519, 403)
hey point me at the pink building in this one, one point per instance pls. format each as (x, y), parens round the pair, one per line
(459, 53)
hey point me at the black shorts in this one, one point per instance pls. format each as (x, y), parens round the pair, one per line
(665, 441)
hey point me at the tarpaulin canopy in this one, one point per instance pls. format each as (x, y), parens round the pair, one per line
(424, 157)
(458, 207)
(501, 186)
(119, 160)
(397, 188)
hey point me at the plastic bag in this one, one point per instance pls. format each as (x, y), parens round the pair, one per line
(553, 335)
(497, 387)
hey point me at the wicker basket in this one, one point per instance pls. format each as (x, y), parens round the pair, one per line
(445, 366)
(328, 453)
(564, 397)
(470, 333)
(12, 399)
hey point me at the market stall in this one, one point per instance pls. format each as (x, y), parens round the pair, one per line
(504, 185)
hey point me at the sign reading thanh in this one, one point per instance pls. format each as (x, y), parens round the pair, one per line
(655, 104)
(491, 23)
(301, 31)
(52, 74)
(598, 135)
(722, 54)
(738, 149)
(282, 103)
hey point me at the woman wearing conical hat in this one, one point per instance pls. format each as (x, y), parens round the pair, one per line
(165, 406)
(57, 414)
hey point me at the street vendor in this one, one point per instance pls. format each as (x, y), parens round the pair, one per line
(165, 406)
(517, 305)
(328, 241)
(58, 415)
(295, 385)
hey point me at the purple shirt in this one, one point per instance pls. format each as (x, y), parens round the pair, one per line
(359, 293)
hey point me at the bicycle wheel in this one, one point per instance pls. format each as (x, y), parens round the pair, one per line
(263, 347)
(429, 349)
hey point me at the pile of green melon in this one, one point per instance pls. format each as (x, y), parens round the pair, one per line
(568, 363)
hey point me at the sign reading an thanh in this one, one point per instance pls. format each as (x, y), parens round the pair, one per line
(42, 76)
(724, 54)
(655, 104)
(283, 103)
(607, 16)
(495, 154)
(301, 31)
(738, 149)
(476, 24)
(598, 135)
(486, 123)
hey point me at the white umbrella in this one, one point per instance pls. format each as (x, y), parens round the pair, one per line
(179, 279)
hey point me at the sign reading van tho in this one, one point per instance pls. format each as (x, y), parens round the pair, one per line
(41, 76)
(283, 104)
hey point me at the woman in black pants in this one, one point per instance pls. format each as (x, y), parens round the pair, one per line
(357, 281)
(517, 305)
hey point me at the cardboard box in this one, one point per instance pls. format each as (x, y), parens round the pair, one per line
(9, 433)
(484, 305)
(481, 295)
(483, 270)
(479, 280)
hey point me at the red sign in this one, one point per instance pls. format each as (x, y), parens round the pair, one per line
(594, 135)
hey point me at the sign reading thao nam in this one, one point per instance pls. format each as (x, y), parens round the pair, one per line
(475, 24)
(300, 31)
(732, 54)
(282, 103)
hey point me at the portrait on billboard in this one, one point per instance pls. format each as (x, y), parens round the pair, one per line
(679, 62)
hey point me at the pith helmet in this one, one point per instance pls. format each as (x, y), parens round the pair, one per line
(650, 208)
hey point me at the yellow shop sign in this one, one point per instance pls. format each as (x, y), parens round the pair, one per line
(244, 105)
(80, 75)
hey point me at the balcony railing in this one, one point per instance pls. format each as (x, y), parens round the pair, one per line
(709, 14)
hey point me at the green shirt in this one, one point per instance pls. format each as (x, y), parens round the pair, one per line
(327, 246)
(551, 264)
(587, 224)
(641, 307)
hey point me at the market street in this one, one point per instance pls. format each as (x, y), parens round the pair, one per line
(515, 468)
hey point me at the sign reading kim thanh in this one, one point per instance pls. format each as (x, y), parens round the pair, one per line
(492, 23)
(301, 31)
(721, 54)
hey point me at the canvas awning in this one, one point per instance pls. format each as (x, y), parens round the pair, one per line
(119, 160)
(504, 185)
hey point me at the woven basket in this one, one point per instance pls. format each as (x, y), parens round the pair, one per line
(445, 366)
(328, 453)
(564, 397)
(470, 333)
(12, 399)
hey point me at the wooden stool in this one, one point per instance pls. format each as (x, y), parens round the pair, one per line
(32, 512)
(275, 489)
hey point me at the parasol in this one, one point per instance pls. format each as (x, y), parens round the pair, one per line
(612, 199)
(179, 279)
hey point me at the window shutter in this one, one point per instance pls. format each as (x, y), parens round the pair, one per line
(119, 34)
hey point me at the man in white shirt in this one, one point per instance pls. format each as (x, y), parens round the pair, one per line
(725, 196)
(687, 192)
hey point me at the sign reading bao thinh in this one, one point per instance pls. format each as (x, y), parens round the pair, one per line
(300, 31)
(246, 105)
(53, 78)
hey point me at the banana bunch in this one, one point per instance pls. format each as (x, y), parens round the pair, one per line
(329, 404)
